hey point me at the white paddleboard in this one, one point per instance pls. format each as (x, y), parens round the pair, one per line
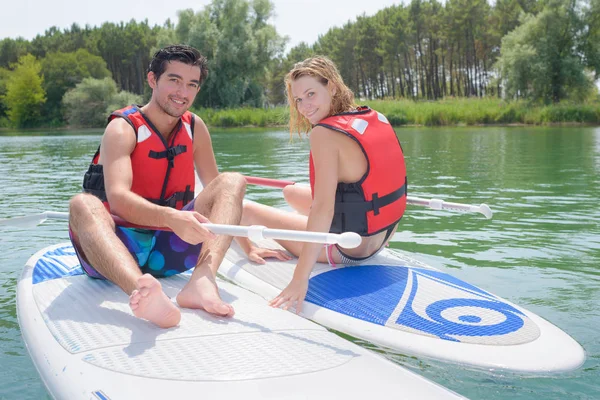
(403, 304)
(86, 344)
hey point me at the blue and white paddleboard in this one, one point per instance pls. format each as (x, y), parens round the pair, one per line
(86, 344)
(403, 304)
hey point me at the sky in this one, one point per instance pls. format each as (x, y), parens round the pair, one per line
(300, 20)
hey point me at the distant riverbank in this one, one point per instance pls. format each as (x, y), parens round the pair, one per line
(457, 112)
(447, 112)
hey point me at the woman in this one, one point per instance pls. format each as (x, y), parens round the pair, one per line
(357, 177)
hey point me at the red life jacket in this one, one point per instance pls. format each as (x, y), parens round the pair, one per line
(163, 173)
(377, 201)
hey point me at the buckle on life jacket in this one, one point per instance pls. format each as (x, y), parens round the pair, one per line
(169, 154)
(374, 205)
(379, 202)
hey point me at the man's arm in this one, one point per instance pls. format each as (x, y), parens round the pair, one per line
(204, 156)
(118, 143)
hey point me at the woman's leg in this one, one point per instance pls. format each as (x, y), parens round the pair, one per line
(259, 214)
(299, 197)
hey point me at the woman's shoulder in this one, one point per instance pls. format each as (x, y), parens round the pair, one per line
(319, 131)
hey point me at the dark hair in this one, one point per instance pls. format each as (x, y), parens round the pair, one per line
(182, 53)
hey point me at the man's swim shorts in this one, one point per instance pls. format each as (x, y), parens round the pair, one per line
(159, 253)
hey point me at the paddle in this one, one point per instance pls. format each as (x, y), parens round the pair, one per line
(435, 204)
(255, 232)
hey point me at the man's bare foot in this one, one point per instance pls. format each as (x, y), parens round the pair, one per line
(149, 302)
(201, 292)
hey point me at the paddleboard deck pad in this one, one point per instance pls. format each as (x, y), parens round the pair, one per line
(86, 344)
(398, 302)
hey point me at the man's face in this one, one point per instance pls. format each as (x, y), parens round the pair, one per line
(176, 88)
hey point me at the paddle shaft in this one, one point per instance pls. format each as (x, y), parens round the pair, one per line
(435, 204)
(254, 232)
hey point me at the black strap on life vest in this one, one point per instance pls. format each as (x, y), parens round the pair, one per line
(169, 154)
(374, 205)
(93, 183)
(185, 196)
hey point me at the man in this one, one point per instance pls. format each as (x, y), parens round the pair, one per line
(143, 173)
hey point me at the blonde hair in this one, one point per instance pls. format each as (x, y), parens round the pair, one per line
(325, 71)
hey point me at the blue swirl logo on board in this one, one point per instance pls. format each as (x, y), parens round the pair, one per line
(462, 310)
(56, 263)
(421, 301)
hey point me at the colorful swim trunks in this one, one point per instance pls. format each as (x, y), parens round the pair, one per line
(159, 253)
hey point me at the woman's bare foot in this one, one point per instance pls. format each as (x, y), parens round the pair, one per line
(201, 292)
(149, 302)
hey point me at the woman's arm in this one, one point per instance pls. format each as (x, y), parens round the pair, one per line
(325, 154)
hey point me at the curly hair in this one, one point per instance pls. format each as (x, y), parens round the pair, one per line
(325, 71)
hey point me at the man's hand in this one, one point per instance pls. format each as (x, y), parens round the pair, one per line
(188, 225)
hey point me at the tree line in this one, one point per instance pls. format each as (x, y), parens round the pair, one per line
(544, 51)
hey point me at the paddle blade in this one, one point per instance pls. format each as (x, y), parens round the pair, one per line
(27, 221)
(486, 211)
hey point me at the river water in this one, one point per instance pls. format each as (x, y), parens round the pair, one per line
(541, 250)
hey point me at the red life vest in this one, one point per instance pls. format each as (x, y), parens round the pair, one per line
(163, 172)
(377, 201)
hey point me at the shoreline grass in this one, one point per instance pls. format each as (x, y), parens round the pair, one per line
(446, 112)
(244, 117)
(489, 111)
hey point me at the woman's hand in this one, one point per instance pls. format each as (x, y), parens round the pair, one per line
(294, 293)
(258, 254)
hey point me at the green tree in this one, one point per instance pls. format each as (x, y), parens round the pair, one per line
(591, 40)
(540, 60)
(122, 99)
(24, 93)
(65, 41)
(11, 50)
(62, 71)
(126, 48)
(369, 56)
(4, 76)
(339, 45)
(505, 16)
(279, 69)
(91, 101)
(240, 45)
(393, 26)
(166, 35)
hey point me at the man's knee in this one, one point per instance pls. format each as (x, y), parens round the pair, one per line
(82, 205)
(232, 181)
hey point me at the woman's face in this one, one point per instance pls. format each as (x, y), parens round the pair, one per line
(312, 98)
